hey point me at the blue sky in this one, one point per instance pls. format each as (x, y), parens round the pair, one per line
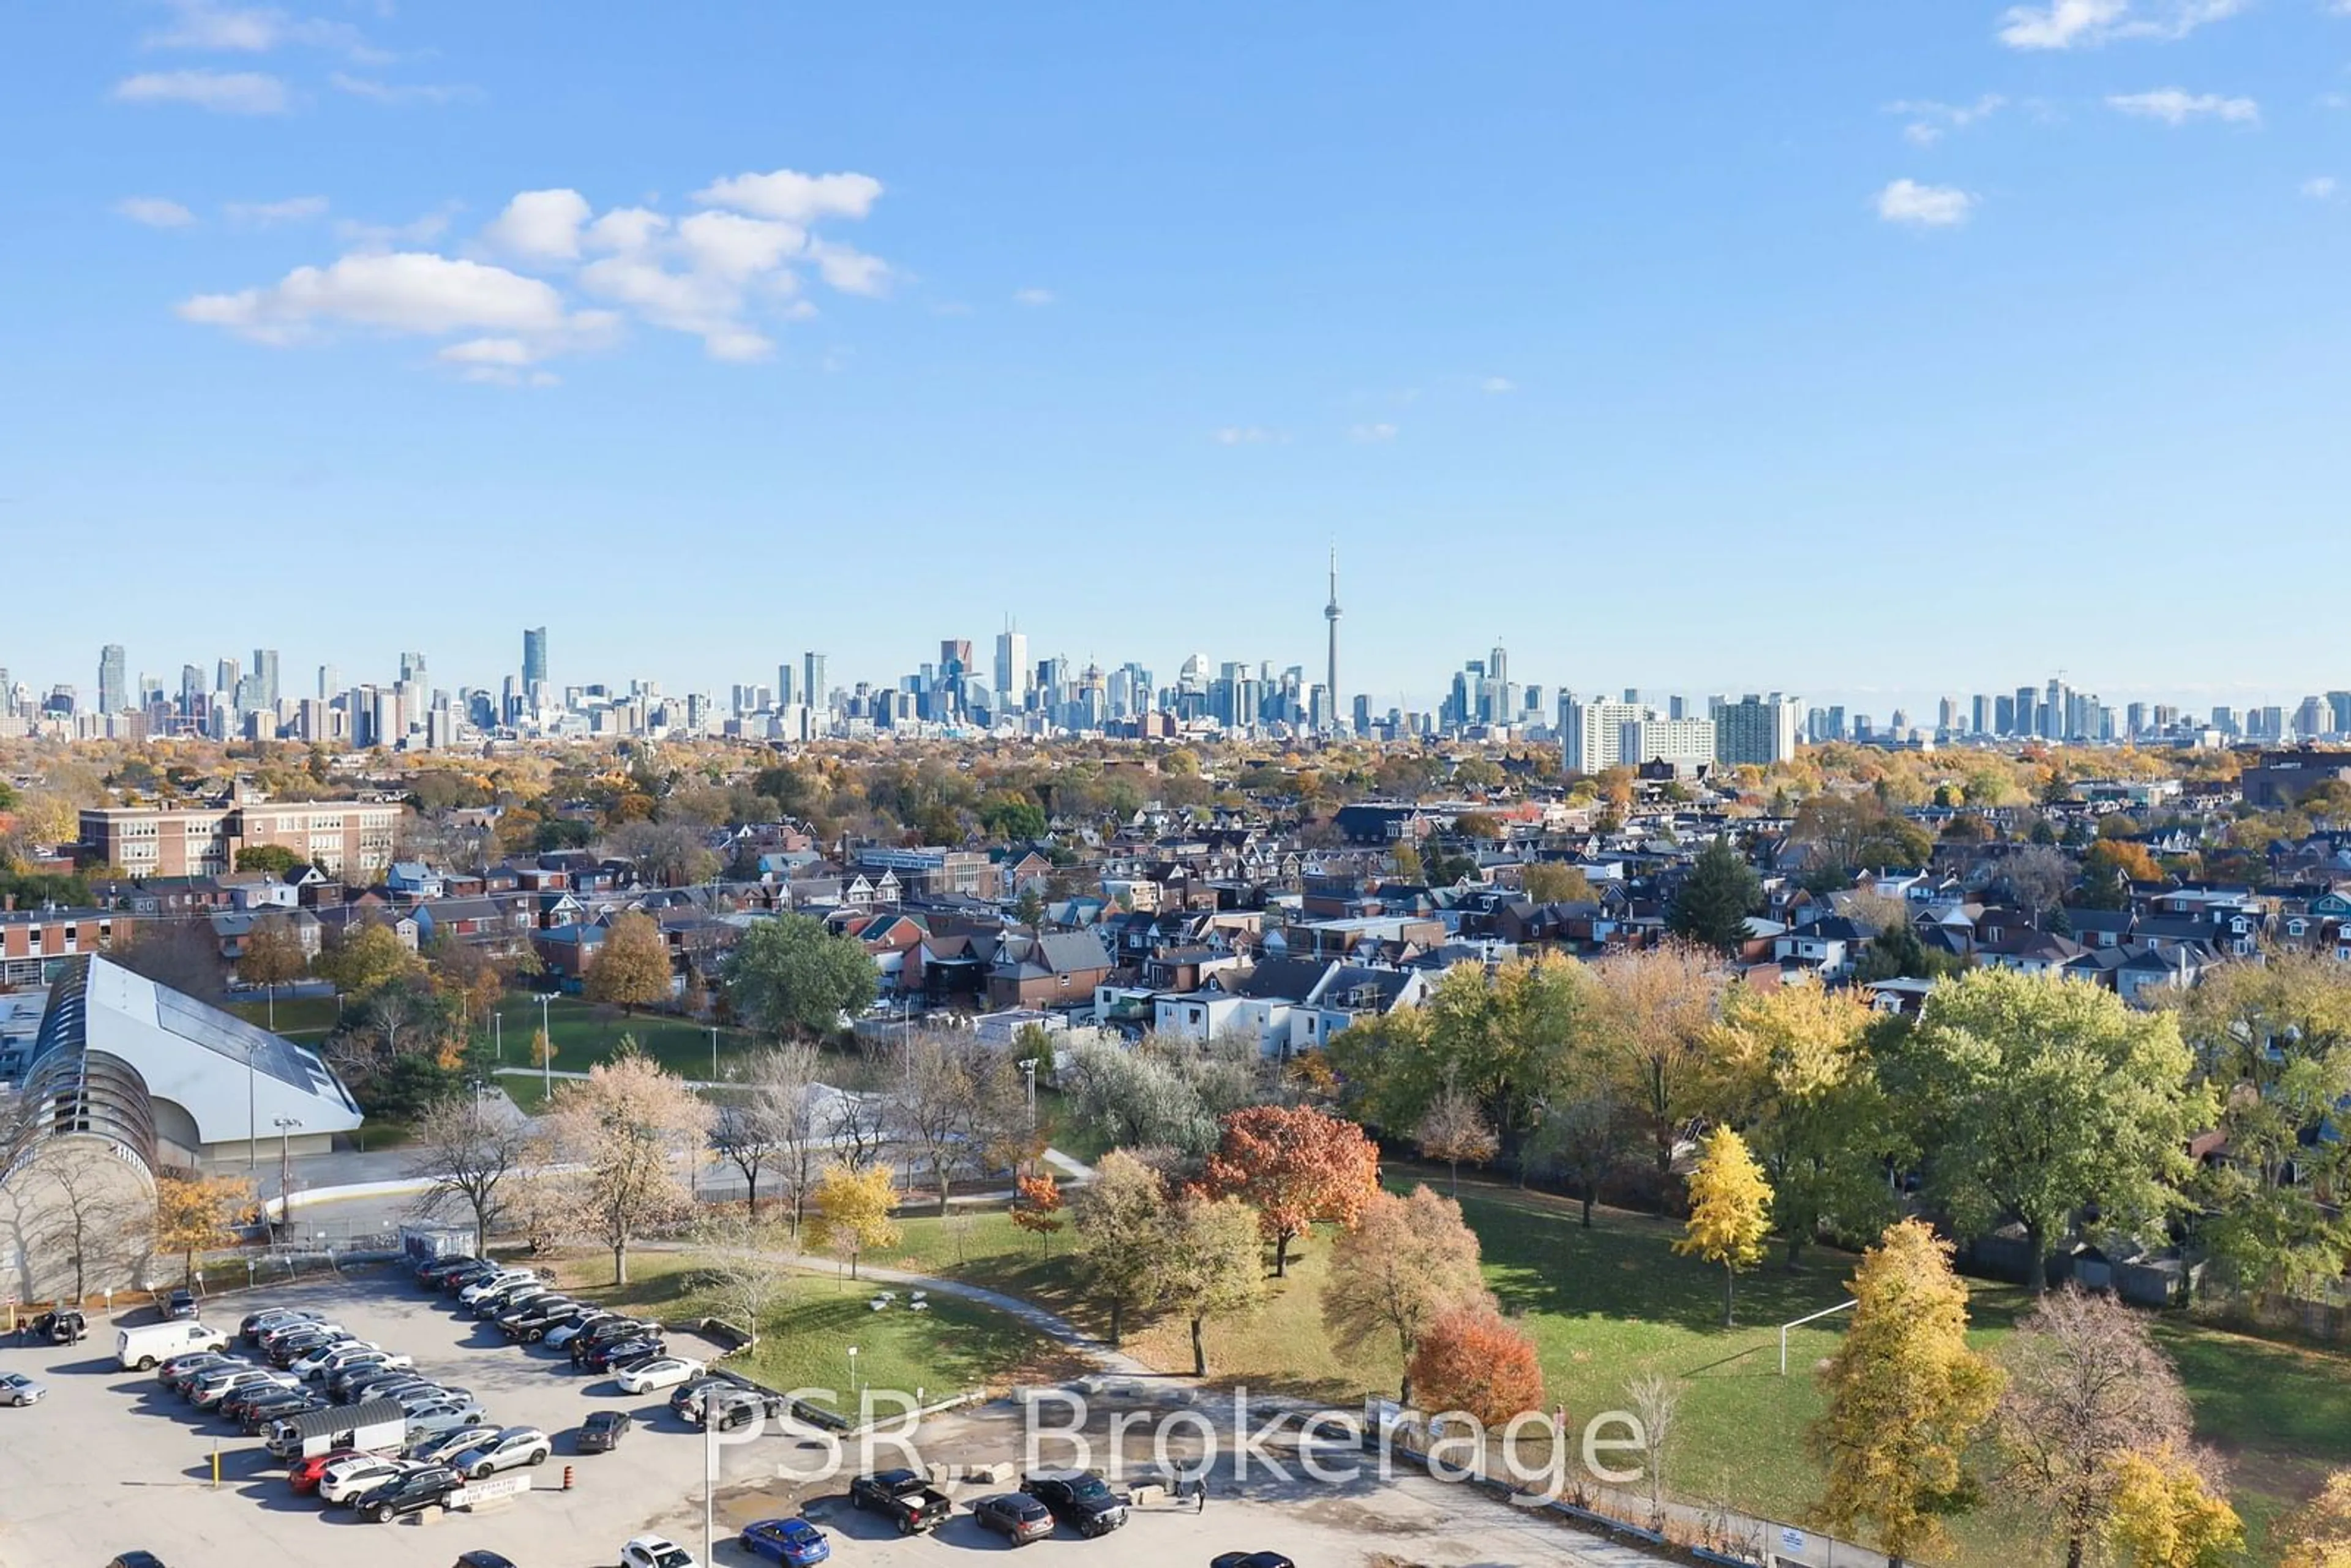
(1869, 351)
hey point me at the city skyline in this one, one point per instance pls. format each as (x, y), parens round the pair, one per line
(1663, 349)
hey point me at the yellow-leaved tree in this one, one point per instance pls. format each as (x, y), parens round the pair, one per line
(852, 1211)
(2166, 1513)
(1906, 1396)
(2319, 1536)
(1730, 1212)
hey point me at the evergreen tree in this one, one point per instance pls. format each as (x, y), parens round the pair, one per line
(1715, 898)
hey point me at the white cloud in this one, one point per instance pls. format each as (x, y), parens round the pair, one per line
(704, 304)
(2321, 187)
(1926, 206)
(540, 225)
(251, 29)
(1371, 433)
(793, 197)
(1033, 297)
(2173, 107)
(1498, 385)
(262, 215)
(626, 230)
(396, 237)
(849, 269)
(399, 291)
(1930, 121)
(155, 212)
(498, 361)
(1246, 435)
(735, 247)
(223, 92)
(398, 93)
(2086, 24)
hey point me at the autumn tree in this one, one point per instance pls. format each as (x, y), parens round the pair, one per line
(1792, 1068)
(1115, 1216)
(1407, 1261)
(1906, 1396)
(1455, 1129)
(629, 1125)
(1555, 881)
(1650, 1032)
(789, 975)
(1296, 1167)
(2087, 1389)
(2167, 1511)
(2319, 1534)
(2039, 1095)
(471, 1153)
(1472, 1360)
(1712, 905)
(1588, 1137)
(1205, 1263)
(1730, 1212)
(1037, 1207)
(197, 1214)
(364, 958)
(631, 968)
(272, 956)
(852, 1211)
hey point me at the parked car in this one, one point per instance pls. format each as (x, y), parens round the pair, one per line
(432, 1270)
(270, 1336)
(1250, 1560)
(661, 1372)
(256, 1411)
(181, 1372)
(514, 1299)
(138, 1346)
(181, 1303)
(135, 1560)
(606, 1334)
(655, 1551)
(491, 1284)
(232, 1402)
(447, 1417)
(1079, 1498)
(380, 1384)
(484, 1559)
(603, 1429)
(293, 1347)
(440, 1448)
(314, 1364)
(612, 1356)
(794, 1542)
(562, 1334)
(340, 1483)
(65, 1326)
(532, 1324)
(1016, 1516)
(902, 1497)
(216, 1385)
(270, 1317)
(731, 1410)
(506, 1450)
(16, 1388)
(428, 1485)
(303, 1475)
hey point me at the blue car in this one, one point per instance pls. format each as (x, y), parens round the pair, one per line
(794, 1542)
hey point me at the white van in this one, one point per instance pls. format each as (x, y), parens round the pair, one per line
(141, 1346)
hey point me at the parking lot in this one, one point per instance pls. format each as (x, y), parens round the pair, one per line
(110, 1460)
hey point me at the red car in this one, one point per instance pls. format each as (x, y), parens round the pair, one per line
(304, 1474)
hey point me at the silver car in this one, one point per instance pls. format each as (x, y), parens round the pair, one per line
(515, 1446)
(16, 1388)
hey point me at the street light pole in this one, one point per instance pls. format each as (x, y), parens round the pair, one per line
(546, 1050)
(284, 1126)
(713, 1053)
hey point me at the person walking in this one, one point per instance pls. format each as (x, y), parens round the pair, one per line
(1200, 1495)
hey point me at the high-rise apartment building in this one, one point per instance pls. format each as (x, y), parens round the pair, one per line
(1687, 745)
(113, 679)
(1756, 729)
(265, 678)
(813, 690)
(533, 657)
(1592, 739)
(1012, 668)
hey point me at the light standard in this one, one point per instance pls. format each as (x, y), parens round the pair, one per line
(713, 1053)
(1028, 1071)
(284, 1126)
(852, 1375)
(546, 1050)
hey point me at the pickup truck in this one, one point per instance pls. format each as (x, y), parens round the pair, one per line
(902, 1497)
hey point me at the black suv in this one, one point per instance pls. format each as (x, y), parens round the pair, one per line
(1079, 1498)
(411, 1493)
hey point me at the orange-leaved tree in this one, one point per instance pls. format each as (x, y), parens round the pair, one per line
(1473, 1359)
(1037, 1207)
(1296, 1166)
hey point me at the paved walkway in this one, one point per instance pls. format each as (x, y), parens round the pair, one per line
(1100, 1351)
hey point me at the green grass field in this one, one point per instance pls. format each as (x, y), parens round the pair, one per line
(304, 1018)
(949, 1348)
(1607, 1305)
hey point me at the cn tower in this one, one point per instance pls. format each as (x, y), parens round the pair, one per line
(1331, 614)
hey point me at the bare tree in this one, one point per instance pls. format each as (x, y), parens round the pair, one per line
(2087, 1389)
(935, 1106)
(780, 1118)
(860, 1120)
(97, 1227)
(1655, 1400)
(1455, 1129)
(745, 1269)
(2036, 877)
(629, 1124)
(472, 1154)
